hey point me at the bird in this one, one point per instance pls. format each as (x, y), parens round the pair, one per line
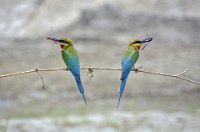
(128, 61)
(71, 59)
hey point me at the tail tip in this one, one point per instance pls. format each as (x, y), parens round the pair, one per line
(118, 101)
(85, 100)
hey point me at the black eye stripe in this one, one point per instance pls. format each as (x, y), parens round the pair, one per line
(62, 41)
(136, 42)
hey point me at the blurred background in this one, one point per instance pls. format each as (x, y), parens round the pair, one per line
(101, 30)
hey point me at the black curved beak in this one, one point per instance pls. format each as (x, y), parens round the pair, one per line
(55, 40)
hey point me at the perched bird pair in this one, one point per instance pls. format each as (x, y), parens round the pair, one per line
(70, 57)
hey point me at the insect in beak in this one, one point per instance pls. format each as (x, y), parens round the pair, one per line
(145, 41)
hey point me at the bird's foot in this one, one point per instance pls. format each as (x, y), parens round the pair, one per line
(137, 69)
(90, 71)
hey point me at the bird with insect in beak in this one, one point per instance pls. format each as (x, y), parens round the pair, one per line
(129, 59)
(71, 59)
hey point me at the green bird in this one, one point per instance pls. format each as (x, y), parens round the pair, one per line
(71, 59)
(129, 59)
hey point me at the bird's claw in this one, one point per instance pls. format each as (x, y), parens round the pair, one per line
(137, 69)
(90, 71)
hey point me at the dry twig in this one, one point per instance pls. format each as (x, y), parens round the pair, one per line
(91, 70)
(42, 79)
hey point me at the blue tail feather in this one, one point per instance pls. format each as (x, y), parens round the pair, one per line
(123, 83)
(81, 89)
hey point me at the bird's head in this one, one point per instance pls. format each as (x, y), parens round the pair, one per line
(137, 44)
(63, 42)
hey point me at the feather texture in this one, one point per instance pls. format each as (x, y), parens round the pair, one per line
(70, 57)
(129, 59)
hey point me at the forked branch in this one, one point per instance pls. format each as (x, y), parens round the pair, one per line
(92, 69)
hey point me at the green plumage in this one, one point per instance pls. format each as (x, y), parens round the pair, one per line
(129, 59)
(68, 53)
(133, 53)
(71, 59)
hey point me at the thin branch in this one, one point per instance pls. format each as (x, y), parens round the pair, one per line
(30, 71)
(182, 72)
(42, 79)
(91, 70)
(174, 76)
